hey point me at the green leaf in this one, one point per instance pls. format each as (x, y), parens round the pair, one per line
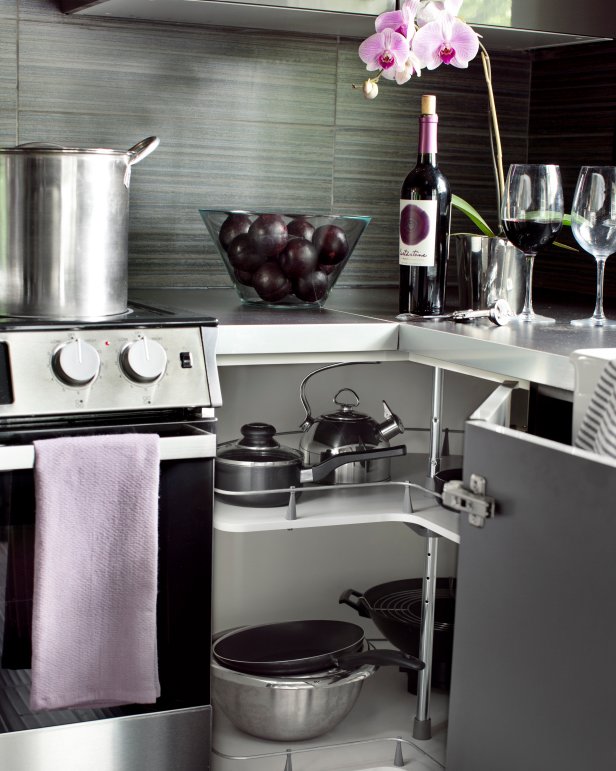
(472, 214)
(565, 246)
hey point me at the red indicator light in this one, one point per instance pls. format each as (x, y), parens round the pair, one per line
(107, 343)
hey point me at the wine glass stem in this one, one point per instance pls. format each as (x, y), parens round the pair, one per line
(598, 314)
(527, 310)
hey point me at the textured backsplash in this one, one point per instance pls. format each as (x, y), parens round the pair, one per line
(247, 119)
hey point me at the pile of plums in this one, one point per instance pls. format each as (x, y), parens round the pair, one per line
(280, 257)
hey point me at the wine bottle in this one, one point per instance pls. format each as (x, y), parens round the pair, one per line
(425, 215)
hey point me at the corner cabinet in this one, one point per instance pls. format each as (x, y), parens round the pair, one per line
(534, 673)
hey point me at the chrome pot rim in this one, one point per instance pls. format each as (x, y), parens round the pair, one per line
(330, 678)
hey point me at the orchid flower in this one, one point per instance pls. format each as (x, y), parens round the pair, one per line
(427, 33)
(412, 66)
(387, 51)
(446, 41)
(432, 10)
(402, 21)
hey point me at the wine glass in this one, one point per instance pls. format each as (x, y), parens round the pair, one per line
(593, 223)
(532, 211)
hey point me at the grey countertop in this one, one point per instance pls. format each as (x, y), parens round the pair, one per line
(364, 320)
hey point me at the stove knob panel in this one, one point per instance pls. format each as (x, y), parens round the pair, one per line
(76, 363)
(143, 361)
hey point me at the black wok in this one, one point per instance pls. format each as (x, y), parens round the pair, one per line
(395, 607)
(302, 647)
(258, 463)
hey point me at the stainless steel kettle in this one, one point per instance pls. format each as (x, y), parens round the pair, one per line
(347, 430)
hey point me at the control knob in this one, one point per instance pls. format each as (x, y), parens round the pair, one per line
(76, 363)
(143, 360)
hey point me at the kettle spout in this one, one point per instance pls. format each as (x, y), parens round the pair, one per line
(392, 425)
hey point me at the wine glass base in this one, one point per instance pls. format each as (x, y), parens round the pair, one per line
(532, 318)
(592, 322)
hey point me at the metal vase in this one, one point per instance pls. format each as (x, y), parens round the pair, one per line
(489, 268)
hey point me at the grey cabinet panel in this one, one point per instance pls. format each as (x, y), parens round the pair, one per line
(534, 671)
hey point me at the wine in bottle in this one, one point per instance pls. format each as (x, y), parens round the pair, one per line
(425, 215)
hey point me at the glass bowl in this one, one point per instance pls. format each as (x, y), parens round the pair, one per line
(283, 260)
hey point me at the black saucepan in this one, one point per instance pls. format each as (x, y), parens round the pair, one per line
(257, 463)
(302, 647)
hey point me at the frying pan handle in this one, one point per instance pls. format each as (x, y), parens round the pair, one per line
(361, 606)
(381, 658)
(321, 470)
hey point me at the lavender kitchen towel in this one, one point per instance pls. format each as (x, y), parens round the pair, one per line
(95, 571)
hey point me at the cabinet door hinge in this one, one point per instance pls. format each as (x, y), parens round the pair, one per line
(475, 502)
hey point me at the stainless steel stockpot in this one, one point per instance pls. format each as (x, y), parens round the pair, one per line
(64, 230)
(287, 708)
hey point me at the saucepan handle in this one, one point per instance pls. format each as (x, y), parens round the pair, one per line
(321, 470)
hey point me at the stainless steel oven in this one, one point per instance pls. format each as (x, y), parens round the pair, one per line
(152, 370)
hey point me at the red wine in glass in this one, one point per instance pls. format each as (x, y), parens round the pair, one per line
(531, 235)
(531, 215)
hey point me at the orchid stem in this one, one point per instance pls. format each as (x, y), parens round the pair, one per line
(498, 161)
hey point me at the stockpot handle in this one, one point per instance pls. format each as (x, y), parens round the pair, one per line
(308, 419)
(142, 149)
(361, 606)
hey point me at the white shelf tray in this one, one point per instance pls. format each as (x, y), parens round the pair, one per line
(350, 505)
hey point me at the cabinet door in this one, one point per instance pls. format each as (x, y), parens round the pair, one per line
(534, 664)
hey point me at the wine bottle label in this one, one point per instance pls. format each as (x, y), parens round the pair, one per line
(417, 232)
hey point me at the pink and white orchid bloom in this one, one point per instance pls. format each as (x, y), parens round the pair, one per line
(402, 21)
(387, 51)
(446, 41)
(412, 66)
(432, 10)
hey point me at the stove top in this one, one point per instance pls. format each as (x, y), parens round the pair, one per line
(137, 315)
(150, 358)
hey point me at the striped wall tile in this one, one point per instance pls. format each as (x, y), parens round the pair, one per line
(194, 74)
(8, 82)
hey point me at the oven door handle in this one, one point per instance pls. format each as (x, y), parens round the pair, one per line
(202, 445)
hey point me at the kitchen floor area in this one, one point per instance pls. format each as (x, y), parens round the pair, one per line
(385, 710)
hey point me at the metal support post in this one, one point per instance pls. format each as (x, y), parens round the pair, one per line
(435, 422)
(422, 726)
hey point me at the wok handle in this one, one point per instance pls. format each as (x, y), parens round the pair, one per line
(381, 658)
(321, 470)
(361, 606)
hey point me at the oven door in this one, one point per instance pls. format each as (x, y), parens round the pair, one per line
(173, 733)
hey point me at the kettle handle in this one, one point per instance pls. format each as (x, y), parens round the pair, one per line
(308, 419)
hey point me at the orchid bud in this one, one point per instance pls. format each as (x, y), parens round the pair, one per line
(370, 89)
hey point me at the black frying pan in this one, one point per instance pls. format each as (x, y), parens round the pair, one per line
(302, 647)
